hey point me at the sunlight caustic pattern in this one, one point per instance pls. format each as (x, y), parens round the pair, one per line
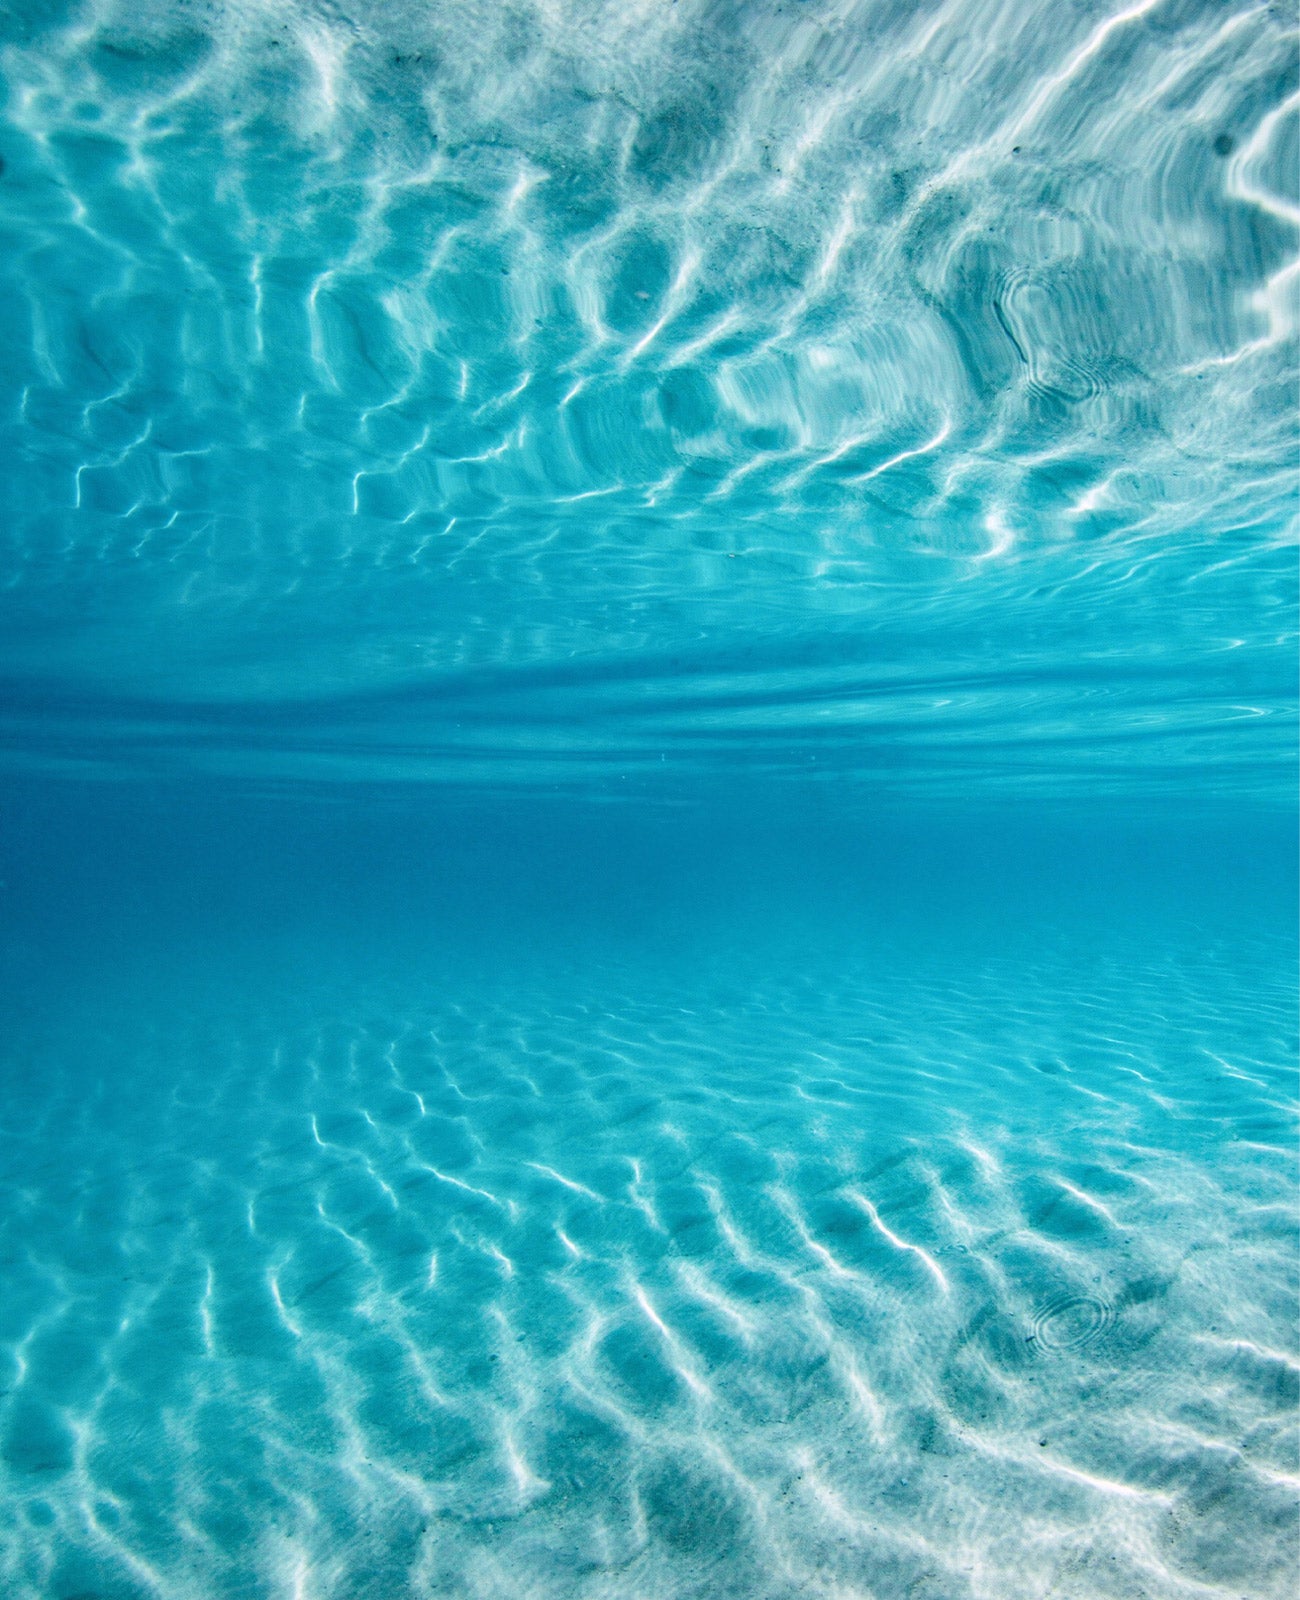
(776, 1288)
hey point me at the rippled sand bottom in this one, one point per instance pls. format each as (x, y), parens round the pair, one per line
(944, 1280)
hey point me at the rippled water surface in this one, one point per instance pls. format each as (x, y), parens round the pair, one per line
(513, 393)
(647, 800)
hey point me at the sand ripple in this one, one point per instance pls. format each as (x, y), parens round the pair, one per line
(727, 1283)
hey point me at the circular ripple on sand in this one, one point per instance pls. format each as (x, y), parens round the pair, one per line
(1072, 1321)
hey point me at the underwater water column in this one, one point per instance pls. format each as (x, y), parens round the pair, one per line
(648, 800)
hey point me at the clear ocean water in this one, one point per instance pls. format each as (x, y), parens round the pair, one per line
(648, 800)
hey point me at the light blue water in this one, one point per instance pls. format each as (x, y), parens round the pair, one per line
(648, 800)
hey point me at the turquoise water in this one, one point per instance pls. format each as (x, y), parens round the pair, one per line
(648, 801)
